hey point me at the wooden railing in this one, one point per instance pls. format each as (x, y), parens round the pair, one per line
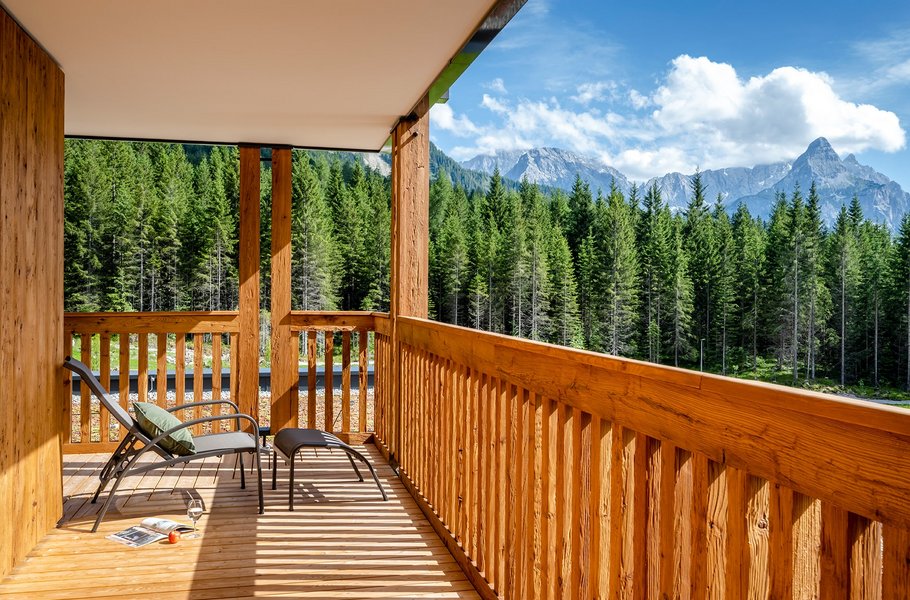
(165, 337)
(566, 474)
(334, 409)
(208, 343)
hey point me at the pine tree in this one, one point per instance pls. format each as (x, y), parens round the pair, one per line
(654, 257)
(537, 225)
(702, 251)
(748, 261)
(565, 328)
(724, 280)
(842, 264)
(819, 301)
(678, 296)
(900, 291)
(874, 248)
(615, 301)
(314, 258)
(580, 216)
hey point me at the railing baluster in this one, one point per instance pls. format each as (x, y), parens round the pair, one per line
(216, 382)
(896, 562)
(142, 379)
(329, 381)
(161, 369)
(834, 567)
(295, 387)
(363, 338)
(865, 558)
(180, 372)
(104, 372)
(600, 495)
(757, 517)
(234, 381)
(68, 391)
(780, 541)
(124, 375)
(717, 531)
(345, 381)
(197, 380)
(311, 379)
(806, 542)
(85, 394)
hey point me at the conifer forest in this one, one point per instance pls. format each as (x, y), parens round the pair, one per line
(153, 227)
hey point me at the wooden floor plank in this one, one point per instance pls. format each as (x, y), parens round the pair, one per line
(341, 541)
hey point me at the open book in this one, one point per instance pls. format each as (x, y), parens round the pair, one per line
(148, 531)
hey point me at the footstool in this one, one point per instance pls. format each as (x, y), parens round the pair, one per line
(289, 441)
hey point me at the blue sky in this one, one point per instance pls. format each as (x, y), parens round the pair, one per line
(652, 87)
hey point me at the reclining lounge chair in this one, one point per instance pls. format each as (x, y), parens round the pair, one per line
(136, 442)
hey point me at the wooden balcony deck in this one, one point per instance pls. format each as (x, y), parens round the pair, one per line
(342, 540)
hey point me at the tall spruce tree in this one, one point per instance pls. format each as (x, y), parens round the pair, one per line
(702, 250)
(654, 232)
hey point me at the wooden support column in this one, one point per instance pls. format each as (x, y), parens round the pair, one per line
(248, 352)
(410, 236)
(284, 371)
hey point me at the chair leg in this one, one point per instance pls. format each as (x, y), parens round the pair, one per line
(363, 459)
(274, 463)
(259, 478)
(353, 464)
(242, 472)
(291, 486)
(110, 498)
(101, 485)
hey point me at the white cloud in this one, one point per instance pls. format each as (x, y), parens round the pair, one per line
(443, 117)
(726, 120)
(638, 100)
(702, 114)
(494, 105)
(591, 92)
(498, 86)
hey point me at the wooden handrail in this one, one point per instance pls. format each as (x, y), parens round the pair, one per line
(338, 321)
(152, 322)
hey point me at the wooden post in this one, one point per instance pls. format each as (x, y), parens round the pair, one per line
(284, 373)
(410, 236)
(248, 350)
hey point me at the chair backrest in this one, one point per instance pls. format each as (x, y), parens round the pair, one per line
(85, 374)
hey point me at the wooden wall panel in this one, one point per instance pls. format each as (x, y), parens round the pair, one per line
(31, 291)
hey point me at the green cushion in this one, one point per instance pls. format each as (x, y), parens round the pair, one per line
(154, 420)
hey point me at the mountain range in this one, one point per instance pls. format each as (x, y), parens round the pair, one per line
(837, 180)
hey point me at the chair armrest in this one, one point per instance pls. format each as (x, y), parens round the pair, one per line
(205, 403)
(238, 417)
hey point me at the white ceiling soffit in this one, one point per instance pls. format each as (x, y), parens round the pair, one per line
(318, 74)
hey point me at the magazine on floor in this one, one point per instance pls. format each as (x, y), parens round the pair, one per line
(149, 530)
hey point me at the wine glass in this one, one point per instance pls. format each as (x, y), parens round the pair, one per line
(194, 510)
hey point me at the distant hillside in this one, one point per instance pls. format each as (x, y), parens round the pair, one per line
(837, 180)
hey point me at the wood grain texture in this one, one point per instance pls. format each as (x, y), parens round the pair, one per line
(896, 563)
(409, 287)
(152, 322)
(786, 437)
(283, 371)
(31, 291)
(248, 274)
(344, 544)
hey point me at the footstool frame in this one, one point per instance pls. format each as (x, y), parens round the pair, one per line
(291, 440)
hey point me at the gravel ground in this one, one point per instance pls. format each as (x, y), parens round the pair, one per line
(264, 410)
